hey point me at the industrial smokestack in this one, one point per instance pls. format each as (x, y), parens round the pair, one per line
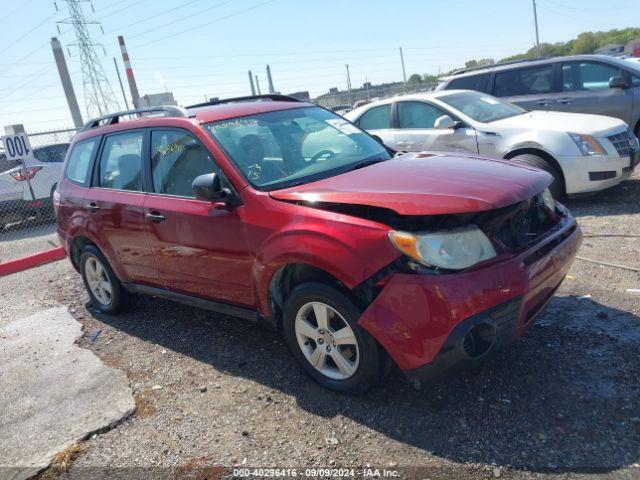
(135, 96)
(271, 90)
(258, 85)
(253, 88)
(67, 86)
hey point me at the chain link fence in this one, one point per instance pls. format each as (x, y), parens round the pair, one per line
(27, 220)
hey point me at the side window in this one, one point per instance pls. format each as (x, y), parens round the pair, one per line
(376, 118)
(585, 76)
(471, 82)
(176, 160)
(418, 115)
(524, 81)
(121, 161)
(78, 165)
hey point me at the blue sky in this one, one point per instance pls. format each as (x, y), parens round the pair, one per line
(203, 48)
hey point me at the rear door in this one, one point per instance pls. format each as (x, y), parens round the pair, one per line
(416, 130)
(585, 89)
(114, 206)
(199, 246)
(532, 88)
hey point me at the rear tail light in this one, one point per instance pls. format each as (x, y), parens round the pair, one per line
(25, 173)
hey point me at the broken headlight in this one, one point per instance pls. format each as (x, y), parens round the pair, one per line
(451, 249)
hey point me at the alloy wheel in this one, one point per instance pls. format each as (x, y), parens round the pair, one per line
(327, 341)
(98, 281)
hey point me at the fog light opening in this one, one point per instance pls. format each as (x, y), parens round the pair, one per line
(479, 340)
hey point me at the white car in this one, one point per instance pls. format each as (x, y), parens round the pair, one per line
(26, 190)
(584, 153)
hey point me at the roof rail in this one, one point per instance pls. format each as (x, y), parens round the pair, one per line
(273, 97)
(483, 67)
(113, 118)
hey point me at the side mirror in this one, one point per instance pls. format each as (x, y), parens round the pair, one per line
(619, 81)
(445, 121)
(209, 187)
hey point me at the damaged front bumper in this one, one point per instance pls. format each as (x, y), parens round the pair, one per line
(431, 323)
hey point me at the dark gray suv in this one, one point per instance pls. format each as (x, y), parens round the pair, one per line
(595, 84)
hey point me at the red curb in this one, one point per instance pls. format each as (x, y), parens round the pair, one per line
(30, 261)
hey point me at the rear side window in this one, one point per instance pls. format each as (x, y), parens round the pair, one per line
(585, 76)
(121, 162)
(376, 118)
(524, 81)
(471, 82)
(79, 162)
(176, 160)
(418, 115)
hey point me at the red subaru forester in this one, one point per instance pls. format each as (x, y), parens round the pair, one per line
(272, 209)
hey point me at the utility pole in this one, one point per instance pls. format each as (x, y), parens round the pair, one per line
(404, 72)
(253, 88)
(98, 95)
(67, 86)
(535, 21)
(349, 84)
(124, 95)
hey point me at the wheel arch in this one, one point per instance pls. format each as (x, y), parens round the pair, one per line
(532, 150)
(76, 246)
(290, 275)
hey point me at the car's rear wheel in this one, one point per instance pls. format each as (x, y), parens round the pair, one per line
(320, 328)
(104, 288)
(557, 187)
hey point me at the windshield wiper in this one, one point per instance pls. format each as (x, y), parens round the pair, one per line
(366, 163)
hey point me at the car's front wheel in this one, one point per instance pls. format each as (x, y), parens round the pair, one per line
(320, 329)
(104, 288)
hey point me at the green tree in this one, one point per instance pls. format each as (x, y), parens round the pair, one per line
(415, 79)
(585, 43)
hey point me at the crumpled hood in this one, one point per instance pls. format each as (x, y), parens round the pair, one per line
(427, 184)
(596, 125)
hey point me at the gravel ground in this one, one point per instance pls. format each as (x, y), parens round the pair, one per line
(213, 390)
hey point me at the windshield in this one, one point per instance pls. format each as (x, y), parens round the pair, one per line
(289, 147)
(481, 107)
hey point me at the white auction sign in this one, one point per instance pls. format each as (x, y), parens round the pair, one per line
(17, 146)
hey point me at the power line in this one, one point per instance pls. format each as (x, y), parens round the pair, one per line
(219, 19)
(173, 22)
(151, 17)
(7, 47)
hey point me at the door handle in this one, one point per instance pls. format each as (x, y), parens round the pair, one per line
(542, 102)
(93, 207)
(155, 217)
(564, 101)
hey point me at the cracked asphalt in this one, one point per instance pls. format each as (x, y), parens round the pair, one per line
(215, 391)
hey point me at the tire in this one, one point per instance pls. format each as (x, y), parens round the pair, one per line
(118, 299)
(365, 361)
(557, 187)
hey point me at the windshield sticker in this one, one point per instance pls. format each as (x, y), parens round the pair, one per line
(343, 126)
(489, 100)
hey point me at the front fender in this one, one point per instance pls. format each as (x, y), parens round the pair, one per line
(351, 254)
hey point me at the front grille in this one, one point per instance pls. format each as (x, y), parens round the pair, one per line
(625, 143)
(519, 225)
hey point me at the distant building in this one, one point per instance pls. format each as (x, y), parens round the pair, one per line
(155, 99)
(304, 96)
(365, 93)
(610, 49)
(633, 47)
